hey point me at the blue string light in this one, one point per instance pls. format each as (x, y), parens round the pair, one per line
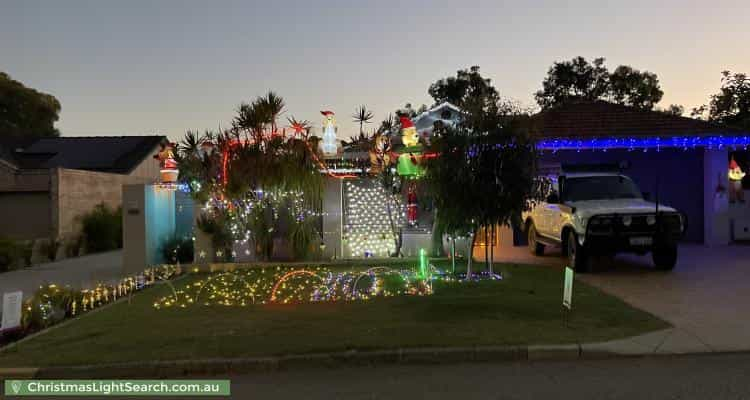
(644, 143)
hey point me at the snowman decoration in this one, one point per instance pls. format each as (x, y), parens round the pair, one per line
(735, 182)
(328, 145)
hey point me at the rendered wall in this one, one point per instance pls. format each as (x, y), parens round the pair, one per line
(25, 215)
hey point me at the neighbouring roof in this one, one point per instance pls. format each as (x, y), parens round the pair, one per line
(114, 154)
(598, 119)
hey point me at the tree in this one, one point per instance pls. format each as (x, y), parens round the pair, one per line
(484, 172)
(257, 186)
(362, 116)
(578, 79)
(731, 106)
(634, 88)
(26, 111)
(673, 109)
(467, 86)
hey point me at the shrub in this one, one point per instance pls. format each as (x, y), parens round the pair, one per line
(49, 248)
(73, 246)
(102, 229)
(9, 254)
(178, 249)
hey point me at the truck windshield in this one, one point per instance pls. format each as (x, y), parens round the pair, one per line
(600, 188)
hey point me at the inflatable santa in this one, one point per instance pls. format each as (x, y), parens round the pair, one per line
(167, 163)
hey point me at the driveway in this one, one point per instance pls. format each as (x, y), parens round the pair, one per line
(706, 297)
(81, 272)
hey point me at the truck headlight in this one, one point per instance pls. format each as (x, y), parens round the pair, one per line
(651, 219)
(627, 220)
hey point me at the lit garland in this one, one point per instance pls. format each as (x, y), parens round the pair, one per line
(367, 229)
(70, 302)
(644, 143)
(246, 287)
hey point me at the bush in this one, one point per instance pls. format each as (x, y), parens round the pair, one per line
(73, 246)
(102, 229)
(178, 249)
(49, 248)
(9, 254)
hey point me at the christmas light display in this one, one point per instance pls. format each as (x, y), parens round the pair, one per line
(169, 172)
(367, 225)
(244, 287)
(644, 143)
(409, 137)
(735, 175)
(329, 144)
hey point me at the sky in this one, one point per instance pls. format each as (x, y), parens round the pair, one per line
(162, 67)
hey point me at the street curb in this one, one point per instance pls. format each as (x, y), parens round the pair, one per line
(222, 366)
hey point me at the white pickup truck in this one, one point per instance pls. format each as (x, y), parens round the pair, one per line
(600, 214)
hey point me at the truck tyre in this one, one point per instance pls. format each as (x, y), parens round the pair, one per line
(665, 257)
(535, 247)
(577, 257)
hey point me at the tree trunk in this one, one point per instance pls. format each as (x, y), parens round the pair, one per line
(486, 248)
(469, 263)
(492, 251)
(453, 256)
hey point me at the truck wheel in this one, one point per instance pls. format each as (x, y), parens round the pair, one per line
(535, 247)
(665, 257)
(577, 257)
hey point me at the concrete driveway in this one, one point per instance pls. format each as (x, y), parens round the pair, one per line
(706, 297)
(80, 272)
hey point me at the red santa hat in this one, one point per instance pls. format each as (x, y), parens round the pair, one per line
(327, 113)
(406, 122)
(733, 164)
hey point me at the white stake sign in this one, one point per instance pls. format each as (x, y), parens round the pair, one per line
(11, 310)
(568, 288)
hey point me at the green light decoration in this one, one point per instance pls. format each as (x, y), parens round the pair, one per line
(424, 269)
(410, 164)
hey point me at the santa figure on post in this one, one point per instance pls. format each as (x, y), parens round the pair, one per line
(735, 182)
(167, 163)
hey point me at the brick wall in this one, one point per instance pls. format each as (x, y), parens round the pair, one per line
(76, 192)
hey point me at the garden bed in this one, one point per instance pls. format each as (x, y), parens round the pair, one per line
(523, 308)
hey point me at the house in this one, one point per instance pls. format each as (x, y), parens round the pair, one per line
(682, 162)
(47, 183)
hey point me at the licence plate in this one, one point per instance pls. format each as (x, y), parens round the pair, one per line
(641, 241)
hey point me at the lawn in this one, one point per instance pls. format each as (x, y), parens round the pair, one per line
(523, 308)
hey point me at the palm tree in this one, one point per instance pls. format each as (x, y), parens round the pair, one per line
(363, 116)
(274, 105)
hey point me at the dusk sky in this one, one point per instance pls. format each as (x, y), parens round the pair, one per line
(135, 67)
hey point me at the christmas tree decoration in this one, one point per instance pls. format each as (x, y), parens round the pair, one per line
(167, 163)
(329, 144)
(735, 175)
(409, 137)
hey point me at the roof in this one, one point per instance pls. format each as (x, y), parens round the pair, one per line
(114, 154)
(594, 119)
(427, 119)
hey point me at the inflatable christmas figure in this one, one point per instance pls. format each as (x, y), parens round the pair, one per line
(411, 206)
(409, 132)
(735, 182)
(380, 154)
(167, 163)
(328, 145)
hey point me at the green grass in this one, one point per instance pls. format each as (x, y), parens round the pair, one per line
(524, 308)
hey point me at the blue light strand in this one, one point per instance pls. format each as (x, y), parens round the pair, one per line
(644, 143)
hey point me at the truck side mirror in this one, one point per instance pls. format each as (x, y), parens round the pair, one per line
(553, 198)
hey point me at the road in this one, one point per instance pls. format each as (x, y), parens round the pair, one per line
(670, 377)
